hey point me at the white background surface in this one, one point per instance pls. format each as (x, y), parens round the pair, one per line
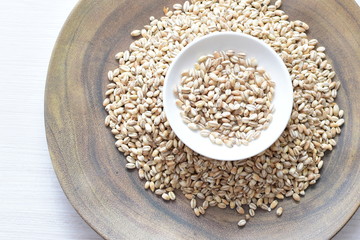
(32, 204)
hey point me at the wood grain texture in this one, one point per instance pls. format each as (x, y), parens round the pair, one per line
(113, 201)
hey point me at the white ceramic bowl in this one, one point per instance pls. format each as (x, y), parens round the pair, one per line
(267, 58)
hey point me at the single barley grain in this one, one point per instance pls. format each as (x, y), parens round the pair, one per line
(273, 204)
(172, 195)
(296, 197)
(197, 211)
(165, 196)
(135, 33)
(242, 223)
(193, 203)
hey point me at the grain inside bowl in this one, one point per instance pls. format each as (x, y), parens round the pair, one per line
(286, 169)
(227, 97)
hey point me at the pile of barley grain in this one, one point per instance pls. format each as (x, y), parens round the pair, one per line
(286, 169)
(227, 97)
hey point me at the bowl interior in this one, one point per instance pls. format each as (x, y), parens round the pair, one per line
(267, 58)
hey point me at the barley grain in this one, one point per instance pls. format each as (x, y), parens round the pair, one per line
(251, 212)
(242, 223)
(193, 203)
(135, 33)
(197, 211)
(172, 195)
(274, 204)
(165, 196)
(130, 165)
(296, 197)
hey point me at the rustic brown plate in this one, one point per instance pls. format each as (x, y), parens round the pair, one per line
(112, 200)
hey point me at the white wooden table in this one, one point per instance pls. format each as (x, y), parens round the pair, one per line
(32, 204)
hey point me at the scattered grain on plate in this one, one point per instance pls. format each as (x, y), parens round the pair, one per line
(137, 120)
(279, 211)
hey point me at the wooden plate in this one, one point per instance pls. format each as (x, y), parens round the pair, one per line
(112, 200)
